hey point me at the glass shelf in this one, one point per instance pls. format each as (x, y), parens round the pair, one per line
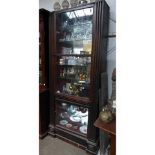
(77, 24)
(72, 66)
(72, 80)
(71, 41)
(73, 87)
(73, 98)
(75, 55)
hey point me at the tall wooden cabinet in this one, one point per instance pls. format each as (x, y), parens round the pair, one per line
(43, 72)
(78, 44)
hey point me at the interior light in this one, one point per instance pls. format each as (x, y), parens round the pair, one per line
(80, 13)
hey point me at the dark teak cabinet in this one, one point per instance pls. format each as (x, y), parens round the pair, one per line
(43, 72)
(78, 44)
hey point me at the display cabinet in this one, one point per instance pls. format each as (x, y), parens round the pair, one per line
(43, 72)
(78, 43)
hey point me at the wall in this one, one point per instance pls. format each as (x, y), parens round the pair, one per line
(111, 52)
(46, 4)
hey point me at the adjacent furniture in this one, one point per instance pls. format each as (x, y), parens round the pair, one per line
(110, 129)
(44, 47)
(78, 44)
(43, 72)
(43, 112)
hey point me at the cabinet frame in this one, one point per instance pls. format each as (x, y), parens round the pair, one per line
(98, 66)
(44, 68)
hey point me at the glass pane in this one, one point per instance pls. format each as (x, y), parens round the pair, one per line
(74, 48)
(71, 117)
(74, 75)
(74, 32)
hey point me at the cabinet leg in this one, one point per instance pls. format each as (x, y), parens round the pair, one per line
(113, 145)
(92, 147)
(52, 131)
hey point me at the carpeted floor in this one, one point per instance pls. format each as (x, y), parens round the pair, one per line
(54, 146)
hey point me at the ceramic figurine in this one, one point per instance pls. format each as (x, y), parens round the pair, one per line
(56, 6)
(82, 2)
(106, 116)
(73, 3)
(65, 4)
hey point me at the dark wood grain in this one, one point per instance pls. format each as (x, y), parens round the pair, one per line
(76, 55)
(43, 112)
(72, 98)
(42, 88)
(44, 67)
(110, 129)
(44, 46)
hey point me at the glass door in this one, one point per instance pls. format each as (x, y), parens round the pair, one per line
(72, 117)
(73, 52)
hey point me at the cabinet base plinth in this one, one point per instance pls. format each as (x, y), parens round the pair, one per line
(78, 141)
(52, 131)
(92, 147)
(41, 136)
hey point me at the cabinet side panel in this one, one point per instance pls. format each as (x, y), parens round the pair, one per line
(104, 40)
(101, 18)
(51, 68)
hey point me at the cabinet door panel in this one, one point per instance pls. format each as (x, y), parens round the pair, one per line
(72, 117)
(73, 52)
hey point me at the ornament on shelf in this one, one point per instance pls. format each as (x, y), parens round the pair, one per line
(82, 2)
(56, 6)
(65, 4)
(106, 114)
(73, 3)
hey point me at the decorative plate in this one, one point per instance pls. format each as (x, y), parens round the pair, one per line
(65, 4)
(63, 122)
(73, 3)
(83, 129)
(75, 118)
(68, 125)
(56, 6)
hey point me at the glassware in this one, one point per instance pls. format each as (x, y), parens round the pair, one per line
(66, 50)
(61, 61)
(64, 89)
(66, 60)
